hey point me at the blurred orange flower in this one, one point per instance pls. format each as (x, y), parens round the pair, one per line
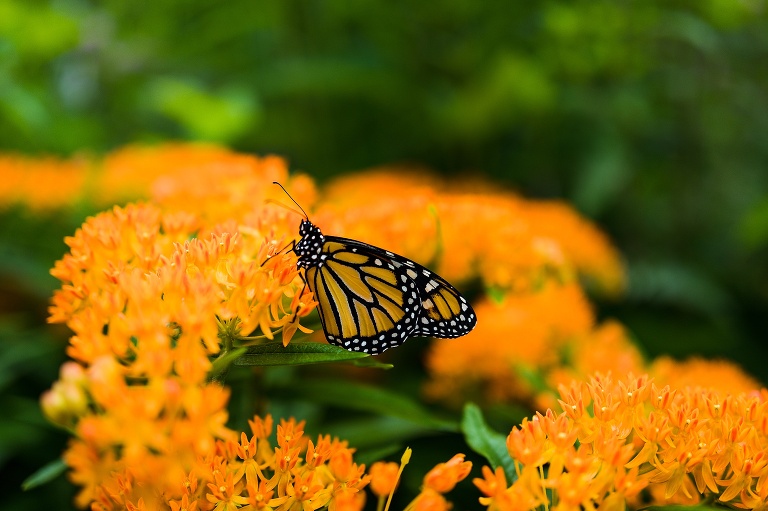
(444, 476)
(383, 477)
(42, 183)
(521, 333)
(721, 375)
(438, 481)
(508, 241)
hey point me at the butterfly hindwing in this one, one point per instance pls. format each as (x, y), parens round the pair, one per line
(444, 312)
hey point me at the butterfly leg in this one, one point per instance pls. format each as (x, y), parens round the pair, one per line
(292, 244)
(295, 313)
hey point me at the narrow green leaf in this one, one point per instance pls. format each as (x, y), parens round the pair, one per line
(355, 396)
(370, 362)
(44, 474)
(487, 442)
(300, 353)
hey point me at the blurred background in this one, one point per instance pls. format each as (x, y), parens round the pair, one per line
(649, 117)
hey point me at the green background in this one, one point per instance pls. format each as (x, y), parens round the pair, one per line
(650, 117)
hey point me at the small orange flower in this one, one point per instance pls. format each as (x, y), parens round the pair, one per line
(526, 443)
(491, 484)
(183, 504)
(261, 497)
(430, 500)
(383, 477)
(444, 476)
(223, 494)
(318, 455)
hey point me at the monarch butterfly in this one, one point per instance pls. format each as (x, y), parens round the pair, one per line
(370, 299)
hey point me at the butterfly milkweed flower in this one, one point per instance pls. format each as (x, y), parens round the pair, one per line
(508, 241)
(153, 293)
(632, 443)
(440, 480)
(295, 474)
(722, 375)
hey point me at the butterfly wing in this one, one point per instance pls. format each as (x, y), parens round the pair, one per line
(371, 299)
(365, 302)
(444, 312)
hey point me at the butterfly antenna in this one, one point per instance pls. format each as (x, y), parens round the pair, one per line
(294, 200)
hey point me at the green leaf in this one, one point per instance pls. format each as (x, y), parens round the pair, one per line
(299, 353)
(44, 474)
(355, 396)
(370, 362)
(487, 442)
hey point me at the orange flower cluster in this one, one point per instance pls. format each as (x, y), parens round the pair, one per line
(216, 184)
(154, 293)
(630, 441)
(522, 333)
(252, 475)
(721, 375)
(42, 183)
(132, 172)
(527, 345)
(438, 481)
(509, 242)
(214, 181)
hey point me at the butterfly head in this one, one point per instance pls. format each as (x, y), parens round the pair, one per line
(310, 247)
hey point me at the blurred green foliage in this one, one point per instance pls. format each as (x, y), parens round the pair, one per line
(651, 117)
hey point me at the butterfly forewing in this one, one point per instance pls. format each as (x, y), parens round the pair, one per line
(364, 303)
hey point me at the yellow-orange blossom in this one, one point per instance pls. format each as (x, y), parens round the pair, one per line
(680, 444)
